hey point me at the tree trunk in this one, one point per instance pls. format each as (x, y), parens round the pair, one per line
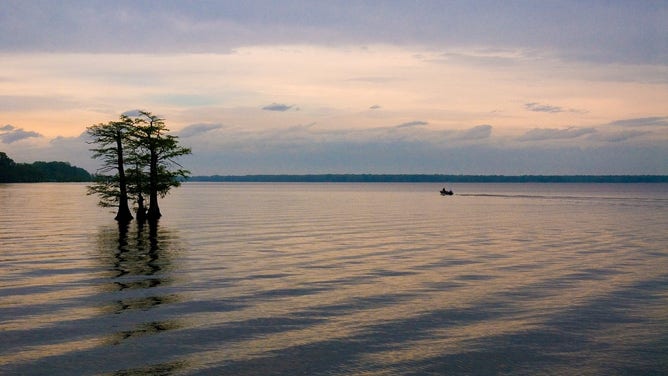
(141, 209)
(124, 214)
(153, 208)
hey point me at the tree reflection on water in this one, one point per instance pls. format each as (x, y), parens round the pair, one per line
(139, 256)
(140, 260)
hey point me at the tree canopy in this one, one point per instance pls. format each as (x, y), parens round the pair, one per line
(139, 158)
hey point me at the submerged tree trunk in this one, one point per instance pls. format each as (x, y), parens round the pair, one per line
(153, 208)
(124, 214)
(141, 209)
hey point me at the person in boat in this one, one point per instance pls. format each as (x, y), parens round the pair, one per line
(444, 192)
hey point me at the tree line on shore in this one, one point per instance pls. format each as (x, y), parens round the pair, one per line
(431, 178)
(40, 171)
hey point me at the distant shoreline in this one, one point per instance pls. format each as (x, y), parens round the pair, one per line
(431, 178)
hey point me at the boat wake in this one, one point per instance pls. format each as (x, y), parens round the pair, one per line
(627, 200)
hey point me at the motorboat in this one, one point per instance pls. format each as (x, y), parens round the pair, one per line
(446, 193)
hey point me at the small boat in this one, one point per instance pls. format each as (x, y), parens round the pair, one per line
(446, 193)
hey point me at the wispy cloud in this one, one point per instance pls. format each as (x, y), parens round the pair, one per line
(540, 134)
(196, 129)
(487, 57)
(661, 121)
(132, 113)
(277, 107)
(537, 107)
(411, 124)
(618, 136)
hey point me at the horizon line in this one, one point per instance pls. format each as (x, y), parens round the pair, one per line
(431, 178)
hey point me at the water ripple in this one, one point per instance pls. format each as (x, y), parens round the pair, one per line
(337, 279)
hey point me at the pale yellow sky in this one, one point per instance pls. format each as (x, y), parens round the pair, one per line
(61, 94)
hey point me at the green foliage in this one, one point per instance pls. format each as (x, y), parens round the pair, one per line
(12, 172)
(153, 145)
(5, 161)
(106, 188)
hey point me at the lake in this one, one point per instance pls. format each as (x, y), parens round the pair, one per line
(338, 279)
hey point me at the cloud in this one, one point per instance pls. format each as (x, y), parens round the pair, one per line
(540, 134)
(486, 57)
(479, 132)
(573, 31)
(618, 136)
(412, 124)
(537, 107)
(277, 107)
(10, 134)
(375, 107)
(661, 121)
(365, 151)
(310, 149)
(132, 113)
(196, 129)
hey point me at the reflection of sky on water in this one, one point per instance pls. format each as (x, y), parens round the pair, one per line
(338, 279)
(468, 283)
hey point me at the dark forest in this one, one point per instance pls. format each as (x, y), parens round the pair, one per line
(12, 172)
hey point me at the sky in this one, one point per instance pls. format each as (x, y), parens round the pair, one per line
(298, 87)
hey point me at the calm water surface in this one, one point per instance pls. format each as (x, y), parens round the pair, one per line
(338, 279)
